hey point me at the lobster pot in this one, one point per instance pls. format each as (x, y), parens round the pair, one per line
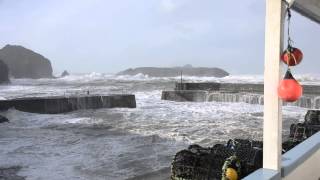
(254, 161)
(312, 122)
(221, 153)
(288, 145)
(249, 153)
(298, 132)
(198, 163)
(301, 131)
(312, 129)
(310, 126)
(312, 117)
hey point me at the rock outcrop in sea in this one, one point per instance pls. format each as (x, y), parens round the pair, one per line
(3, 120)
(4, 73)
(25, 63)
(65, 73)
(187, 70)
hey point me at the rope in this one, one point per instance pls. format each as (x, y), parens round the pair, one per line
(286, 2)
(291, 56)
(289, 42)
(288, 20)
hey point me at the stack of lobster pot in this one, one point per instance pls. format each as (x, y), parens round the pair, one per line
(301, 131)
(199, 163)
(312, 122)
(249, 153)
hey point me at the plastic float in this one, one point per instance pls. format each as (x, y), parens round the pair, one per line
(291, 56)
(289, 89)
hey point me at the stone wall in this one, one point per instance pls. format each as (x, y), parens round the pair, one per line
(237, 88)
(54, 105)
(228, 92)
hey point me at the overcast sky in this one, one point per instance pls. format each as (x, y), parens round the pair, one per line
(112, 35)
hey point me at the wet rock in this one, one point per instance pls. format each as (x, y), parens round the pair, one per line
(25, 63)
(3, 119)
(10, 173)
(65, 73)
(4, 73)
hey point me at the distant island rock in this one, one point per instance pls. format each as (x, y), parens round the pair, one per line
(186, 70)
(65, 73)
(4, 73)
(25, 63)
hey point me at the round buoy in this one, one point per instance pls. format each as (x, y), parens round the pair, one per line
(231, 174)
(292, 56)
(231, 169)
(289, 89)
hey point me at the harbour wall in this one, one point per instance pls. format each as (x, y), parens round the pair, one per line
(237, 87)
(228, 92)
(61, 104)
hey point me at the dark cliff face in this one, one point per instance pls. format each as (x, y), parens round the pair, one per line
(24, 63)
(176, 71)
(4, 73)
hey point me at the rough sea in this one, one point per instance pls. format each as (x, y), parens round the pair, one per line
(119, 144)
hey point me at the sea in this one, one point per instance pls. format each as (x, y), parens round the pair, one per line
(123, 143)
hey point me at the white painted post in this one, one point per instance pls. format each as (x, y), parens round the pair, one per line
(272, 126)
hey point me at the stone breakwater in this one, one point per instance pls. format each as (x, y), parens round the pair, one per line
(230, 92)
(61, 104)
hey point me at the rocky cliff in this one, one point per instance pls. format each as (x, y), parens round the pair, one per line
(4, 73)
(187, 70)
(24, 63)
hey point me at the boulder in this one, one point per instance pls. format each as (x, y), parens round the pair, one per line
(65, 73)
(186, 70)
(25, 63)
(3, 119)
(4, 73)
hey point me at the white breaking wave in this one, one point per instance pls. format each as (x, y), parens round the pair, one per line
(94, 76)
(254, 78)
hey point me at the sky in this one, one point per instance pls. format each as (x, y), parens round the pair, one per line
(112, 35)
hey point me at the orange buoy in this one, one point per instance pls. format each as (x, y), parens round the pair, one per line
(292, 56)
(289, 89)
(231, 174)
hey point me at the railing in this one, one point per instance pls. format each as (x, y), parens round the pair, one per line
(301, 162)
